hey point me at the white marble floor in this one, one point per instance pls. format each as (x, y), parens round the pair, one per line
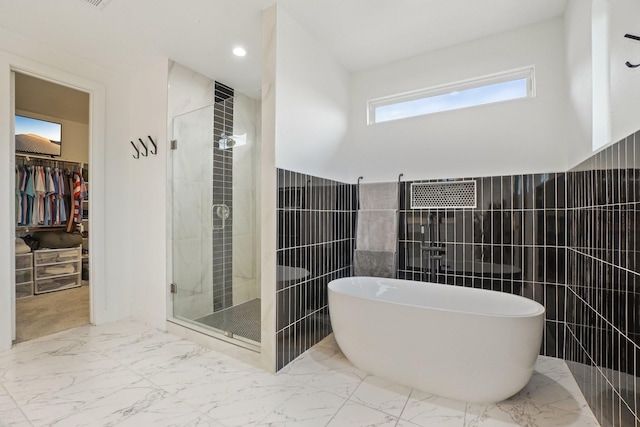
(127, 374)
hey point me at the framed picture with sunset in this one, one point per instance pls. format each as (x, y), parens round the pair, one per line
(36, 136)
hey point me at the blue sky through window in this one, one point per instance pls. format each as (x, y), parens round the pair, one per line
(488, 94)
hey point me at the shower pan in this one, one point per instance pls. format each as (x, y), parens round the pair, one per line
(214, 220)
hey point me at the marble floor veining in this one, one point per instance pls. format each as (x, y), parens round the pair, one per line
(126, 374)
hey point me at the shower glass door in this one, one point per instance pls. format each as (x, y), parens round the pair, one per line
(214, 220)
(192, 199)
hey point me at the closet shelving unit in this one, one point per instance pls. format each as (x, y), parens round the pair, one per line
(49, 270)
(85, 237)
(57, 269)
(24, 275)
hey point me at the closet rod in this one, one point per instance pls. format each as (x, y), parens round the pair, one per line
(49, 159)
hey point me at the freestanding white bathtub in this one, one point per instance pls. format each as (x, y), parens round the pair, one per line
(468, 344)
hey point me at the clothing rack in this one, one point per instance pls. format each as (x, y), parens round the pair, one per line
(29, 159)
(65, 201)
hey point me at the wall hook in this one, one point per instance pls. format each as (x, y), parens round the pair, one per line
(137, 151)
(155, 147)
(632, 37)
(146, 150)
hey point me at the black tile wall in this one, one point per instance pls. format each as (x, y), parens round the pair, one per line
(567, 240)
(222, 195)
(514, 241)
(570, 241)
(603, 292)
(315, 245)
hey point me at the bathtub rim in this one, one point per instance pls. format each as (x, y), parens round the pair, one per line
(540, 309)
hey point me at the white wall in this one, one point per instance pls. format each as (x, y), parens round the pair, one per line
(601, 82)
(577, 24)
(522, 136)
(110, 233)
(147, 194)
(312, 100)
(604, 91)
(625, 82)
(246, 277)
(267, 192)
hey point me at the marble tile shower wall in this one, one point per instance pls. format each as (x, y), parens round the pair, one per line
(315, 245)
(223, 195)
(603, 286)
(514, 241)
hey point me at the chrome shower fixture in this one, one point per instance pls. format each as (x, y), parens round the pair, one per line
(231, 141)
(226, 141)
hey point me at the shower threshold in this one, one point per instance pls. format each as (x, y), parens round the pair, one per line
(242, 320)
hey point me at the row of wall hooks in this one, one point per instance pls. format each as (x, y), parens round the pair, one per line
(146, 152)
(632, 37)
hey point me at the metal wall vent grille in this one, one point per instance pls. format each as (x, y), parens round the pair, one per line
(454, 194)
(100, 4)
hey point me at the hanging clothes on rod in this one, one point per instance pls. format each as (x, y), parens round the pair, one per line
(79, 194)
(46, 193)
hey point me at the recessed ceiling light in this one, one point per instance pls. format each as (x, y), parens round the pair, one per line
(238, 51)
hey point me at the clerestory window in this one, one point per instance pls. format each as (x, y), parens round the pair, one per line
(506, 86)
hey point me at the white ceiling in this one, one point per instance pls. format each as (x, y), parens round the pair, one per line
(365, 33)
(51, 99)
(201, 33)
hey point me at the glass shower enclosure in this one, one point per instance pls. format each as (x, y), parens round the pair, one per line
(216, 283)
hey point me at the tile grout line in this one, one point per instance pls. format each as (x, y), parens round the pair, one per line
(366, 405)
(570, 376)
(296, 385)
(104, 353)
(344, 402)
(604, 319)
(405, 406)
(18, 407)
(602, 374)
(159, 387)
(578, 251)
(300, 386)
(143, 377)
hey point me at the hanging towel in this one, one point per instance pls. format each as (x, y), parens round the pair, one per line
(379, 196)
(375, 263)
(377, 231)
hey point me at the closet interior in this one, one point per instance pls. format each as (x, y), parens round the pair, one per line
(51, 207)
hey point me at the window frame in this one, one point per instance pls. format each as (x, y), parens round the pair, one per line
(527, 73)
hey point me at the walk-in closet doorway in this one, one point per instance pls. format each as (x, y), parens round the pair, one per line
(53, 288)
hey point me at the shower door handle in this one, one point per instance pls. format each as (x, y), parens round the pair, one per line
(222, 211)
